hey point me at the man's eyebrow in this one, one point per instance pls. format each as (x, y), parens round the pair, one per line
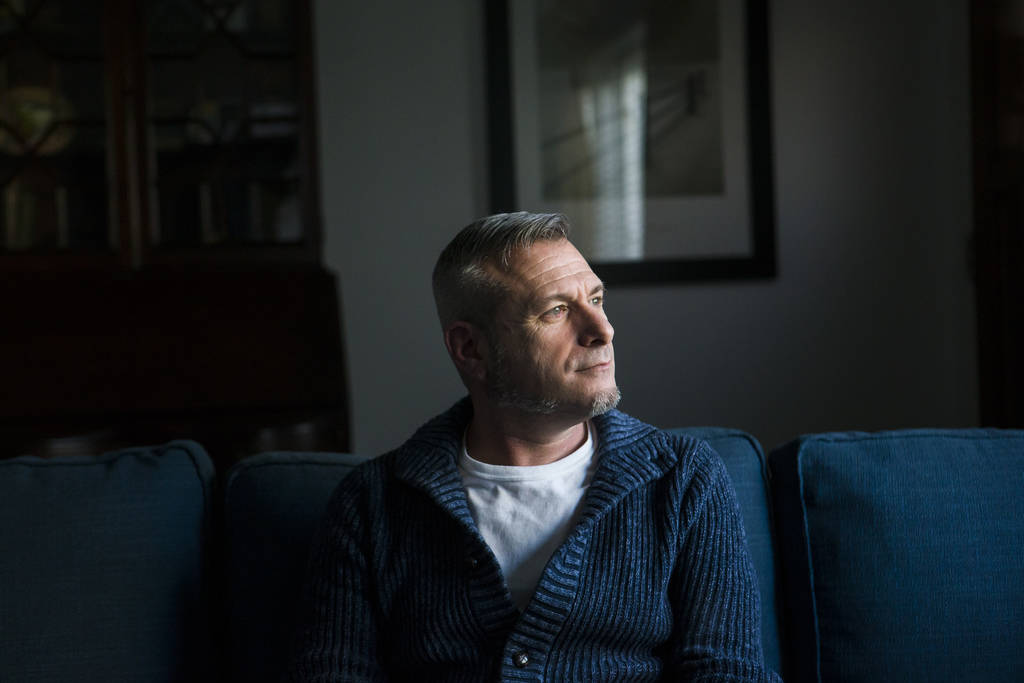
(599, 288)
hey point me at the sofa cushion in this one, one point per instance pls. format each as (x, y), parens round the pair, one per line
(744, 461)
(102, 566)
(902, 554)
(272, 503)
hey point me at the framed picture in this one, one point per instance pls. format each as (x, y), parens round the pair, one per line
(647, 123)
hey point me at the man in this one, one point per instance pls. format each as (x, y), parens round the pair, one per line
(532, 532)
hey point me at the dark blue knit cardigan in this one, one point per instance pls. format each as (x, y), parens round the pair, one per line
(653, 583)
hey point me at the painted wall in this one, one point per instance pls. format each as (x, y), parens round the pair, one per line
(870, 324)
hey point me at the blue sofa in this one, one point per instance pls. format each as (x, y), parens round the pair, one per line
(886, 556)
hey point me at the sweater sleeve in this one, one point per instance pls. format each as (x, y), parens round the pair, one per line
(714, 591)
(337, 627)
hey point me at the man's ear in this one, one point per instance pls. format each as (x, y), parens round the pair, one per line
(467, 347)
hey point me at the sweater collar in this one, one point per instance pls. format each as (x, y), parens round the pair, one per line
(630, 453)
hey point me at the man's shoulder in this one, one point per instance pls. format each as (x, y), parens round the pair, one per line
(624, 437)
(443, 431)
(428, 451)
(618, 430)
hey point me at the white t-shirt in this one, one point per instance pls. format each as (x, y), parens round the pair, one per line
(525, 512)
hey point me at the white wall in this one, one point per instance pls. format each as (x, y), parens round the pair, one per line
(869, 325)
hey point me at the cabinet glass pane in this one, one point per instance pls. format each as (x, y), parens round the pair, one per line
(53, 129)
(223, 121)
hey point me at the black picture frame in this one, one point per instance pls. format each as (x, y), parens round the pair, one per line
(759, 262)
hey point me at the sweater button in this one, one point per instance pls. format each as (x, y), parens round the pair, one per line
(472, 562)
(521, 659)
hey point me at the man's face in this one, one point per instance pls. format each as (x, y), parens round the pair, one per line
(551, 344)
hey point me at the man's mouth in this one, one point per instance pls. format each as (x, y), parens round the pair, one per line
(595, 364)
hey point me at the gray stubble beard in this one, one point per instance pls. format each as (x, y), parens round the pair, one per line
(502, 389)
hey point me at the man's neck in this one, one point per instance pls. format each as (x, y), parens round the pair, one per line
(513, 438)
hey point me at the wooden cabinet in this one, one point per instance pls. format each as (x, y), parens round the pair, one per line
(160, 228)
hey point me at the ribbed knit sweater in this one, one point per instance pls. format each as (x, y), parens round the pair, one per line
(653, 583)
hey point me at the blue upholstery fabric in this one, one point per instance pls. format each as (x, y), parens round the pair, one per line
(272, 503)
(745, 462)
(902, 555)
(102, 565)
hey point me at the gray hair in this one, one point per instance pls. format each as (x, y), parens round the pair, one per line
(463, 290)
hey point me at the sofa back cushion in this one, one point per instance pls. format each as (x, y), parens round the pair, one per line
(103, 564)
(744, 461)
(902, 555)
(272, 503)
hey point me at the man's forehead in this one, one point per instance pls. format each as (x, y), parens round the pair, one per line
(546, 267)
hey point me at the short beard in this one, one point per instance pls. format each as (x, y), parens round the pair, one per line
(605, 401)
(502, 389)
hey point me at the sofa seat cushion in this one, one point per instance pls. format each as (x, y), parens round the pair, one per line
(902, 554)
(102, 566)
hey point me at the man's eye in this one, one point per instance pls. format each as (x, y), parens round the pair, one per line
(557, 311)
(597, 301)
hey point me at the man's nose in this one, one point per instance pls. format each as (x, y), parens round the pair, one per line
(595, 330)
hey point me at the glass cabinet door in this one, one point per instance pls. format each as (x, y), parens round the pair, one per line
(54, 167)
(223, 123)
(156, 131)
